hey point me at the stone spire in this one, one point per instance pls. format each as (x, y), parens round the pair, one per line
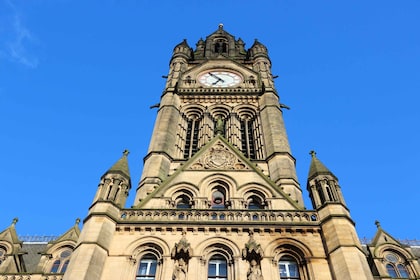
(317, 167)
(121, 166)
(322, 184)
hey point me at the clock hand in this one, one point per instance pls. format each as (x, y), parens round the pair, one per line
(216, 77)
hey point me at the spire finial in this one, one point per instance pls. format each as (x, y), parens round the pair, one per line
(126, 152)
(77, 221)
(313, 153)
(220, 25)
(15, 220)
(378, 224)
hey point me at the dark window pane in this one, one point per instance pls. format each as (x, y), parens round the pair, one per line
(55, 266)
(64, 268)
(212, 269)
(391, 270)
(293, 270)
(403, 271)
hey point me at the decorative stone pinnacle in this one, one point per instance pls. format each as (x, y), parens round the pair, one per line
(15, 220)
(312, 153)
(77, 221)
(378, 224)
(126, 152)
(220, 25)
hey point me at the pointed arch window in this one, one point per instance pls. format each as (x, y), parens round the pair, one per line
(55, 266)
(147, 267)
(217, 268)
(183, 202)
(255, 202)
(191, 141)
(218, 199)
(288, 268)
(395, 266)
(61, 262)
(247, 138)
(220, 46)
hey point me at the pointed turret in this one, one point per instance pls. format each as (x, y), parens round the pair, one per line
(322, 184)
(121, 166)
(258, 49)
(317, 167)
(95, 239)
(348, 261)
(182, 50)
(115, 183)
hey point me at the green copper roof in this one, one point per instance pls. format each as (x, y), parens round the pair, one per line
(121, 166)
(317, 167)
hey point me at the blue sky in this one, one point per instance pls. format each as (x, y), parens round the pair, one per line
(77, 79)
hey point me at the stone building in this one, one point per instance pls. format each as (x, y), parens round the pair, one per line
(218, 198)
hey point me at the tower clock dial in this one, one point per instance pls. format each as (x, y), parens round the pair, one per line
(219, 79)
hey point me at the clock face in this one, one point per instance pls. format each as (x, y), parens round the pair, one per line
(219, 79)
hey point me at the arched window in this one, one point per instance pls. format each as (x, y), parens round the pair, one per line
(61, 261)
(247, 138)
(147, 267)
(191, 140)
(183, 202)
(395, 266)
(55, 266)
(217, 268)
(391, 270)
(255, 202)
(220, 46)
(218, 199)
(64, 267)
(288, 268)
(402, 271)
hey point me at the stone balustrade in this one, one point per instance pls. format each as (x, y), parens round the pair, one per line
(31, 277)
(210, 215)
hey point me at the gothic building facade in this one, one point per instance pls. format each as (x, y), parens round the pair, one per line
(218, 198)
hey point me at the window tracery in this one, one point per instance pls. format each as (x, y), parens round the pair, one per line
(395, 265)
(240, 125)
(61, 260)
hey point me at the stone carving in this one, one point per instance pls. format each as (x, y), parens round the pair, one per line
(180, 270)
(181, 253)
(219, 157)
(253, 254)
(254, 271)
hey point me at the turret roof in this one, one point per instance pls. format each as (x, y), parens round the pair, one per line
(121, 166)
(317, 167)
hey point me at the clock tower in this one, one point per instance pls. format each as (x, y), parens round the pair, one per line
(220, 90)
(218, 198)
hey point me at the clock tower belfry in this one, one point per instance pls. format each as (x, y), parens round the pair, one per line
(220, 89)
